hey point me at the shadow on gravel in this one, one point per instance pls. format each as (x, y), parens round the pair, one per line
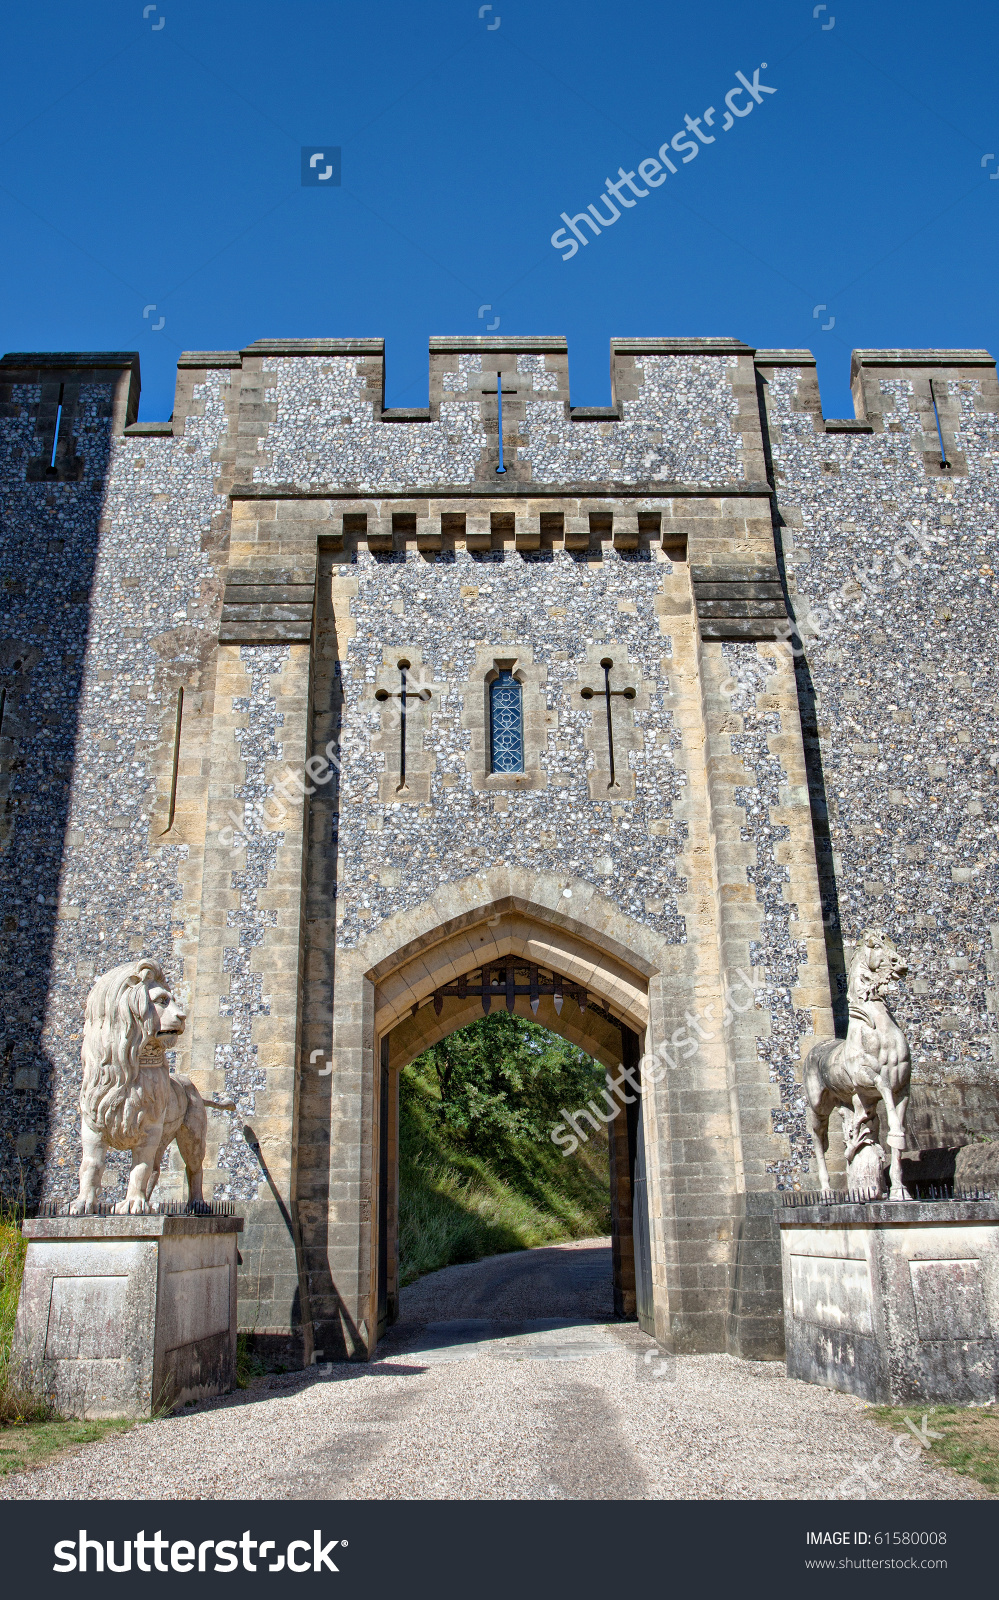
(499, 1339)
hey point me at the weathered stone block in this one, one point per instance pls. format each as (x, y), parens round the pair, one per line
(123, 1316)
(977, 1166)
(895, 1302)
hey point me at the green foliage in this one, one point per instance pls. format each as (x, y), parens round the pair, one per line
(970, 1442)
(13, 1248)
(32, 1443)
(30, 1431)
(479, 1173)
(505, 1078)
(248, 1363)
(16, 1404)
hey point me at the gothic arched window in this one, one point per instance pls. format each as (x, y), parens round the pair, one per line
(506, 716)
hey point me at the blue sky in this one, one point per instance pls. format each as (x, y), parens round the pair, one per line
(160, 165)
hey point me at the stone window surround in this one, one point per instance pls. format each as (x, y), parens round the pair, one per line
(539, 721)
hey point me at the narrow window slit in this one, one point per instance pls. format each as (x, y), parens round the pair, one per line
(944, 463)
(403, 694)
(402, 726)
(499, 416)
(608, 695)
(52, 469)
(176, 760)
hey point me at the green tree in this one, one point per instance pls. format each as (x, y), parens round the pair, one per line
(504, 1077)
(478, 1171)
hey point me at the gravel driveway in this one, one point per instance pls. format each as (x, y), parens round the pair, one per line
(508, 1380)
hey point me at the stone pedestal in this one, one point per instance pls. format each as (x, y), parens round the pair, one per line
(126, 1316)
(897, 1302)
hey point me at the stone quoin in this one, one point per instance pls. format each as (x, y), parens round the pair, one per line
(747, 661)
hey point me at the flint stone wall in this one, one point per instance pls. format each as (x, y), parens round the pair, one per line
(110, 600)
(892, 564)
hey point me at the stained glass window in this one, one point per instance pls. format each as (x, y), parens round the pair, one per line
(507, 723)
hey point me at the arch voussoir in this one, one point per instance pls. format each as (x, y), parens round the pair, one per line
(502, 925)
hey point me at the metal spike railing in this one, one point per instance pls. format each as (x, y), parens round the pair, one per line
(162, 1208)
(863, 1197)
(828, 1197)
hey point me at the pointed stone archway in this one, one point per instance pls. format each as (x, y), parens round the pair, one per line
(579, 1017)
(712, 1247)
(383, 1017)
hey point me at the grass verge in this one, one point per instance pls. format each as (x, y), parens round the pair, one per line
(30, 1444)
(458, 1205)
(17, 1405)
(248, 1363)
(969, 1442)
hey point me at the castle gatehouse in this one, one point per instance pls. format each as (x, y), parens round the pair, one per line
(363, 720)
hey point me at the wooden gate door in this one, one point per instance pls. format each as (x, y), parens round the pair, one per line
(383, 1187)
(641, 1232)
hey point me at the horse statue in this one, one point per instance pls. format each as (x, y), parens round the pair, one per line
(868, 1068)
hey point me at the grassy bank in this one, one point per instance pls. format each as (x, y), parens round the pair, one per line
(969, 1437)
(31, 1444)
(471, 1188)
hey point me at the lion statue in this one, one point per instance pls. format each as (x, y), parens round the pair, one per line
(129, 1099)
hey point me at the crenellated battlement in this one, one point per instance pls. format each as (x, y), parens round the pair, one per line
(310, 414)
